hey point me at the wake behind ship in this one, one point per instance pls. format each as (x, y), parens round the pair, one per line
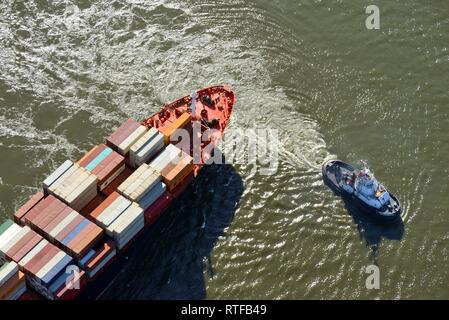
(89, 212)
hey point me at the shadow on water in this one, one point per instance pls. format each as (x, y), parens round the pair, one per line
(173, 256)
(371, 231)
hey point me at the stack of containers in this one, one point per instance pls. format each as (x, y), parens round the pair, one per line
(28, 206)
(62, 169)
(43, 266)
(42, 262)
(179, 123)
(174, 165)
(12, 281)
(125, 136)
(109, 210)
(146, 147)
(144, 186)
(127, 225)
(121, 218)
(63, 226)
(75, 186)
(104, 163)
(14, 246)
(8, 230)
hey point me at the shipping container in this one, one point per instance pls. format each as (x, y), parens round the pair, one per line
(174, 166)
(71, 285)
(104, 163)
(125, 136)
(28, 206)
(24, 245)
(179, 123)
(63, 226)
(51, 179)
(146, 148)
(76, 187)
(42, 265)
(126, 225)
(8, 230)
(121, 133)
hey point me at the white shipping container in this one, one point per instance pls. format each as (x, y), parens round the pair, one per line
(76, 179)
(171, 154)
(7, 271)
(149, 150)
(125, 220)
(47, 273)
(122, 187)
(69, 179)
(145, 187)
(85, 186)
(9, 234)
(129, 235)
(106, 218)
(140, 143)
(136, 181)
(56, 174)
(146, 181)
(8, 245)
(84, 199)
(131, 139)
(50, 264)
(146, 147)
(55, 185)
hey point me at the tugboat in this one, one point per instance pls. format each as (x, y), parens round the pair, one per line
(362, 188)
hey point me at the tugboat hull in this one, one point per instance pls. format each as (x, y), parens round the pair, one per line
(333, 171)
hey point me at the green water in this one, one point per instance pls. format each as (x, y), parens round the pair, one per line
(72, 71)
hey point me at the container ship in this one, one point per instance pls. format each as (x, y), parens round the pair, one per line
(71, 235)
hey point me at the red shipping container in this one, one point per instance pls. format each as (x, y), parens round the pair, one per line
(158, 207)
(40, 259)
(57, 220)
(91, 206)
(116, 138)
(35, 199)
(28, 237)
(98, 210)
(22, 252)
(37, 209)
(107, 168)
(49, 214)
(86, 239)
